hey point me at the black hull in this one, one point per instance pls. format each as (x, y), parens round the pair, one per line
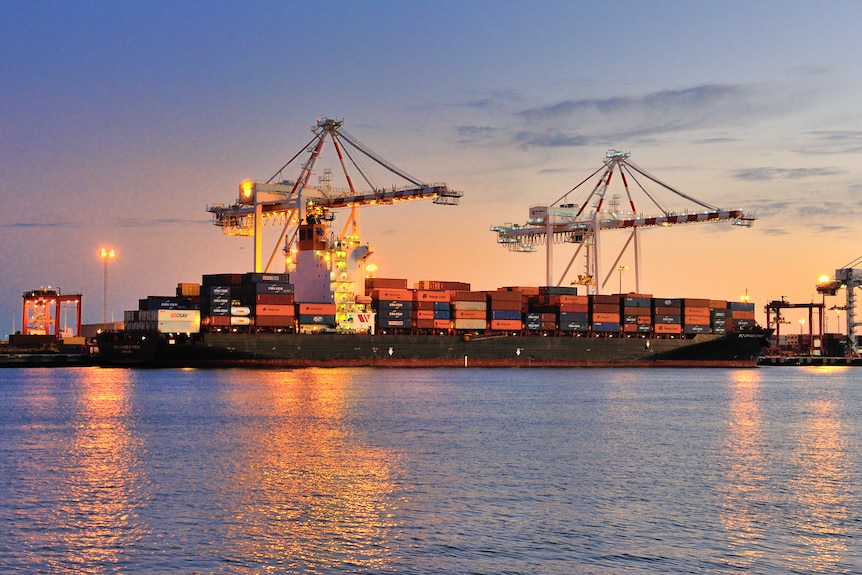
(150, 349)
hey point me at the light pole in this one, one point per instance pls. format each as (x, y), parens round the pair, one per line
(621, 269)
(106, 253)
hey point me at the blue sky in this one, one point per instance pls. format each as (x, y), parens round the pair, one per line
(122, 121)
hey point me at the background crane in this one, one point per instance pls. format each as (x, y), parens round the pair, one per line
(581, 223)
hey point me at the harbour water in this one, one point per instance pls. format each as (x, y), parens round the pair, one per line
(553, 471)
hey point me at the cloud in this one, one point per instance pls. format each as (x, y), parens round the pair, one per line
(153, 223)
(624, 118)
(664, 101)
(43, 225)
(475, 134)
(769, 173)
(834, 142)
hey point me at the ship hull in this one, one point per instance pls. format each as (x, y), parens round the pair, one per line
(212, 350)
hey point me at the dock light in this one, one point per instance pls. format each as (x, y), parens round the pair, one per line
(621, 269)
(246, 189)
(106, 254)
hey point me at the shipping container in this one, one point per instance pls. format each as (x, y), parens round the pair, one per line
(442, 314)
(392, 294)
(372, 284)
(470, 324)
(666, 328)
(423, 314)
(696, 328)
(606, 327)
(606, 317)
(253, 278)
(469, 296)
(239, 320)
(240, 310)
(154, 302)
(668, 319)
(188, 289)
(286, 321)
(274, 299)
(580, 317)
(275, 310)
(470, 314)
(469, 305)
(431, 296)
(506, 314)
(506, 324)
(315, 309)
(384, 304)
(394, 313)
(394, 323)
(442, 323)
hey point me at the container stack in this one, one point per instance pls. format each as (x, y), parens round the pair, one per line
(431, 309)
(741, 315)
(245, 300)
(696, 316)
(605, 316)
(469, 310)
(718, 313)
(394, 307)
(667, 316)
(504, 311)
(315, 316)
(637, 314)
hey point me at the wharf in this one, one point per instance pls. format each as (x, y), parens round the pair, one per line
(793, 360)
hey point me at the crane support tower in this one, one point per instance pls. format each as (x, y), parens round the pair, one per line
(44, 309)
(321, 264)
(564, 221)
(850, 279)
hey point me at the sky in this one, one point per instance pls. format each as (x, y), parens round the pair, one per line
(122, 121)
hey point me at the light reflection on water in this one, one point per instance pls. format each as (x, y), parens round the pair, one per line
(430, 471)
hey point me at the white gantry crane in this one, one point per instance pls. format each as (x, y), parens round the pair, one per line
(564, 222)
(850, 279)
(305, 212)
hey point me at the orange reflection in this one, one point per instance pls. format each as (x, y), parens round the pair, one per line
(97, 504)
(821, 486)
(742, 517)
(311, 494)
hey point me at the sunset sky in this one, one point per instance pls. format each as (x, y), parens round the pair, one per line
(122, 121)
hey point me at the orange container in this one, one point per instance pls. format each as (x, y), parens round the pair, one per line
(275, 320)
(667, 328)
(469, 314)
(506, 324)
(428, 295)
(392, 294)
(606, 317)
(267, 309)
(317, 309)
(423, 314)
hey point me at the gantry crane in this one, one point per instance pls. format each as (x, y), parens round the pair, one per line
(305, 211)
(581, 223)
(849, 279)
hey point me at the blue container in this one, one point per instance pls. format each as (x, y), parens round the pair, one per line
(385, 305)
(394, 314)
(442, 314)
(574, 316)
(511, 314)
(394, 323)
(606, 327)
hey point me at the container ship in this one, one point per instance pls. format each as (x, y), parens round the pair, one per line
(254, 320)
(327, 309)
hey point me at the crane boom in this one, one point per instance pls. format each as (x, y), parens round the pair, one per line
(581, 223)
